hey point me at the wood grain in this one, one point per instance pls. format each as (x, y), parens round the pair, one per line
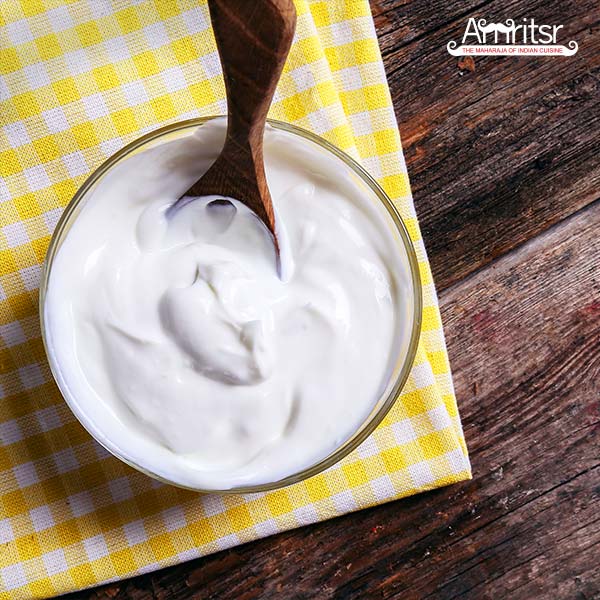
(501, 153)
(505, 168)
(253, 40)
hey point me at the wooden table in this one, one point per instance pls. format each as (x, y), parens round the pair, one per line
(504, 158)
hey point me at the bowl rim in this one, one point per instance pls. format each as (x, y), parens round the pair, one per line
(367, 427)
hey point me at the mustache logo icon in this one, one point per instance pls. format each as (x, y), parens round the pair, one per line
(496, 27)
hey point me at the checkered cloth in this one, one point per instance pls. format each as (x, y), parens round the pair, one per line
(78, 81)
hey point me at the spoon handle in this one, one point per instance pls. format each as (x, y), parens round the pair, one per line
(253, 38)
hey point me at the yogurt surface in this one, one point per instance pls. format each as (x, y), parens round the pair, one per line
(181, 348)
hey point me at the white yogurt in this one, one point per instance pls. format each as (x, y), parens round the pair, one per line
(179, 347)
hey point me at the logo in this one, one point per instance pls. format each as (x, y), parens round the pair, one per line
(511, 39)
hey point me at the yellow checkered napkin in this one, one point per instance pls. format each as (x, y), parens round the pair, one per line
(78, 80)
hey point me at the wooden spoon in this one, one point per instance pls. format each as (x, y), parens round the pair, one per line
(253, 38)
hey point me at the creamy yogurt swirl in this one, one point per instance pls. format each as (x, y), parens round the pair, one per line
(178, 344)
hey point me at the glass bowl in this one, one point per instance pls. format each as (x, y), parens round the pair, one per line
(406, 349)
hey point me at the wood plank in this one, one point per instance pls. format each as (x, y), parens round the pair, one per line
(524, 339)
(400, 22)
(499, 154)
